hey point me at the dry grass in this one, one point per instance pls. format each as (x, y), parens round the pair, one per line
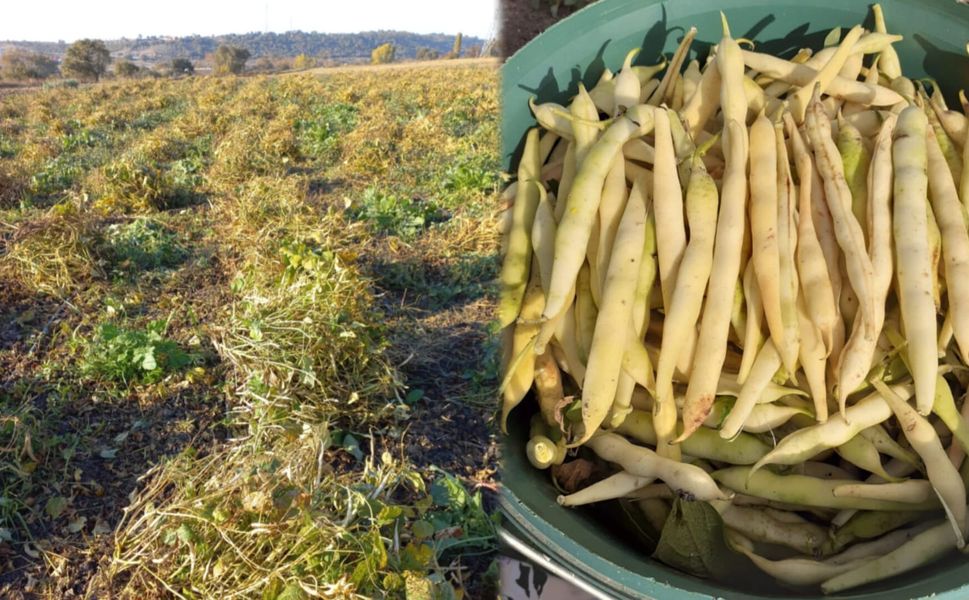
(53, 254)
(303, 325)
(254, 528)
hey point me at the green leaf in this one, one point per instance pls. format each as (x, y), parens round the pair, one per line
(169, 537)
(393, 582)
(55, 506)
(255, 331)
(186, 534)
(448, 492)
(630, 518)
(360, 573)
(271, 589)
(389, 514)
(378, 554)
(573, 414)
(292, 592)
(422, 529)
(443, 590)
(352, 445)
(416, 557)
(692, 539)
(424, 504)
(413, 396)
(721, 408)
(157, 327)
(309, 375)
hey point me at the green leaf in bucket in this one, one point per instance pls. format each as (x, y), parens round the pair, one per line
(692, 540)
(637, 524)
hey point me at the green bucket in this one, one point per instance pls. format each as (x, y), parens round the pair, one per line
(576, 542)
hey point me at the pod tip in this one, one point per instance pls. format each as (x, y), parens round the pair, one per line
(726, 27)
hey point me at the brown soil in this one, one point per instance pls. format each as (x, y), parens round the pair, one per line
(98, 441)
(441, 340)
(521, 21)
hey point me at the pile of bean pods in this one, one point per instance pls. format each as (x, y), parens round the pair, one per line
(746, 282)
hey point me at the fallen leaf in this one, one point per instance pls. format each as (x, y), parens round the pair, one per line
(77, 524)
(55, 506)
(572, 476)
(100, 527)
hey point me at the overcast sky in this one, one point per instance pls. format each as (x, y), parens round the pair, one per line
(68, 20)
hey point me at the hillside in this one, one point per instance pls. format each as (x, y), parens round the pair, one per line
(338, 47)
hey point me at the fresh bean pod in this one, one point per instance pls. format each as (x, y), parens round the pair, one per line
(924, 548)
(803, 490)
(744, 449)
(643, 462)
(715, 324)
(912, 250)
(582, 203)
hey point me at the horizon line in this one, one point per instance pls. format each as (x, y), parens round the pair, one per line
(216, 35)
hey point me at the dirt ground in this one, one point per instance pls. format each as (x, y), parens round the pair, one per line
(521, 21)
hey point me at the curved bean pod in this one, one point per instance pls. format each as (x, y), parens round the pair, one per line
(745, 449)
(924, 548)
(646, 463)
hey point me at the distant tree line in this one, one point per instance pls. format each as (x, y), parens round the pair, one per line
(337, 47)
(90, 60)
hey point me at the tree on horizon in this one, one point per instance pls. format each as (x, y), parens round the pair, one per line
(182, 66)
(125, 68)
(20, 64)
(383, 54)
(86, 59)
(230, 59)
(456, 49)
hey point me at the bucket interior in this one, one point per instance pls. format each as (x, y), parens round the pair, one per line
(578, 49)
